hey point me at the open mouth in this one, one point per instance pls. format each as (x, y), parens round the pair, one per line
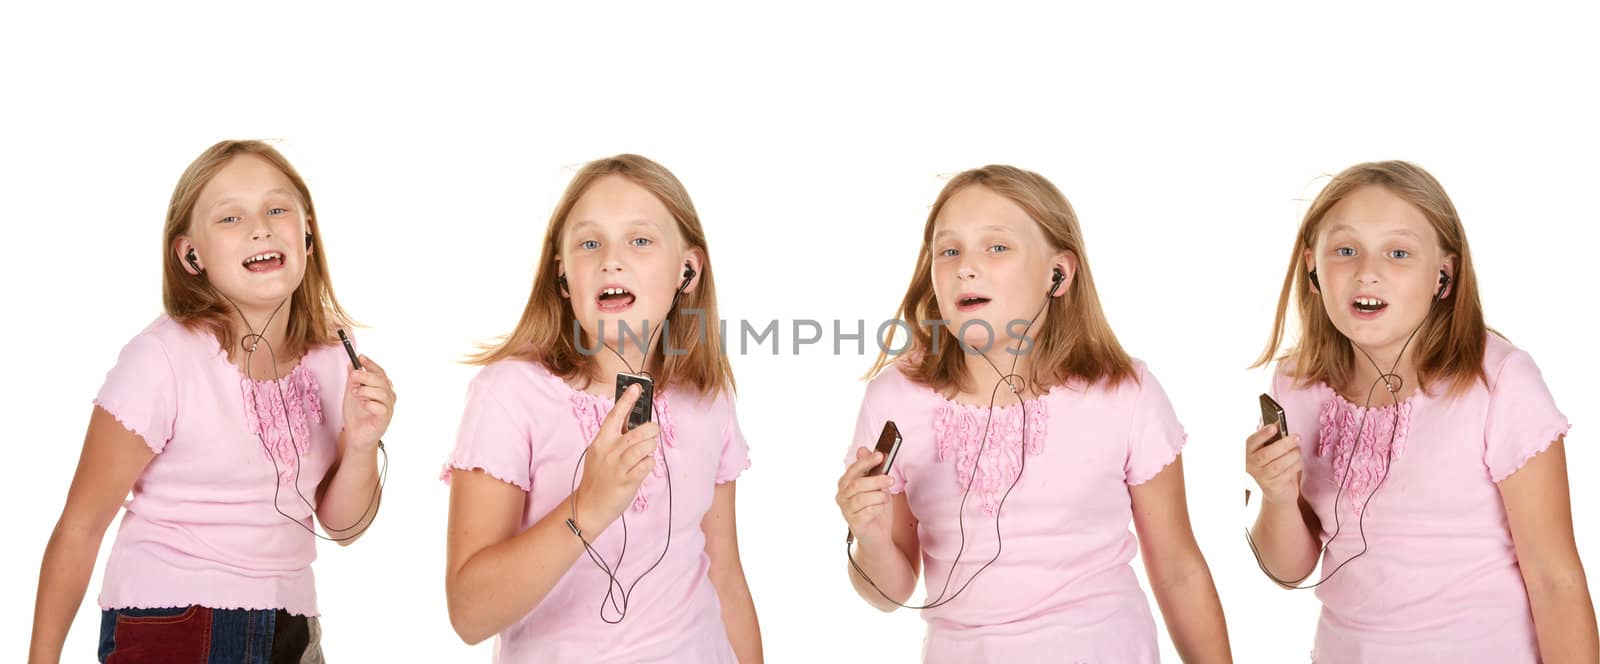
(265, 261)
(1368, 305)
(613, 299)
(971, 302)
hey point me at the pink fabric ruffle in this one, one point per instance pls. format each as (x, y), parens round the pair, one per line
(282, 413)
(1363, 442)
(590, 410)
(959, 430)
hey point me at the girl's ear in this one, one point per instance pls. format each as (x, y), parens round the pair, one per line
(187, 259)
(695, 260)
(1311, 270)
(1449, 278)
(561, 281)
(1065, 263)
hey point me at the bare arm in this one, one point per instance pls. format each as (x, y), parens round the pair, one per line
(886, 545)
(1178, 574)
(495, 575)
(112, 459)
(1539, 511)
(727, 575)
(1284, 534)
(349, 496)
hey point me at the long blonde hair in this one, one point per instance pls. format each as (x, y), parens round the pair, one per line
(1450, 346)
(1085, 349)
(190, 300)
(545, 332)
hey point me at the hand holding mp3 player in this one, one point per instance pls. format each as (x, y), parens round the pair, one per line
(617, 460)
(1272, 455)
(863, 496)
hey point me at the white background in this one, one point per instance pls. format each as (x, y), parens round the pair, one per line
(812, 139)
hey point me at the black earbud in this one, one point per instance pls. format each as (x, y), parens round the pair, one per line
(1313, 276)
(688, 275)
(1444, 282)
(193, 262)
(1056, 277)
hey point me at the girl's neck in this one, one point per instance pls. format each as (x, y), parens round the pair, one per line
(1399, 378)
(260, 348)
(986, 371)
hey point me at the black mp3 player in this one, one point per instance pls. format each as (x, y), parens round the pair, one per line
(641, 408)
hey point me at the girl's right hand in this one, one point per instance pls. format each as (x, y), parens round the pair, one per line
(1275, 466)
(863, 500)
(615, 466)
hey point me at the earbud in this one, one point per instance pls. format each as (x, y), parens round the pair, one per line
(1056, 277)
(193, 262)
(688, 275)
(1444, 282)
(1313, 276)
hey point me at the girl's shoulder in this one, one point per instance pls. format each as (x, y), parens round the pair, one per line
(519, 381)
(166, 341)
(1507, 365)
(892, 384)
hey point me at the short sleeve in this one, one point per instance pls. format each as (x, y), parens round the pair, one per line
(491, 437)
(869, 424)
(141, 391)
(735, 451)
(1156, 436)
(1522, 419)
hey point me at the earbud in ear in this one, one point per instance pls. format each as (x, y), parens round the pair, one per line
(1056, 277)
(1313, 276)
(193, 262)
(1444, 282)
(688, 272)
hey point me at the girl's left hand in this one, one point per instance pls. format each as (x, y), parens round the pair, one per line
(368, 405)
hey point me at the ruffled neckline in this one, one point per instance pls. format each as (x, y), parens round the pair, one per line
(282, 412)
(959, 430)
(1363, 442)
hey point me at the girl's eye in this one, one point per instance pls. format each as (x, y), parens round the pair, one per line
(999, 248)
(641, 242)
(229, 220)
(277, 211)
(1400, 253)
(1345, 251)
(589, 244)
(948, 253)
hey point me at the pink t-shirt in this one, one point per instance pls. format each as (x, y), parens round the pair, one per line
(526, 426)
(1062, 590)
(1439, 581)
(201, 527)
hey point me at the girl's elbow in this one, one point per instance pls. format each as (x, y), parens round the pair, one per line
(466, 624)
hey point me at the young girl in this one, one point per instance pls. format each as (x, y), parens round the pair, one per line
(1030, 440)
(233, 418)
(571, 538)
(1425, 466)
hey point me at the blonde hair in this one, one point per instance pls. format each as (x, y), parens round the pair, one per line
(1450, 345)
(545, 332)
(1085, 350)
(194, 303)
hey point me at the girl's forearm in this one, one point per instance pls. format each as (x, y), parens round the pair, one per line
(63, 579)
